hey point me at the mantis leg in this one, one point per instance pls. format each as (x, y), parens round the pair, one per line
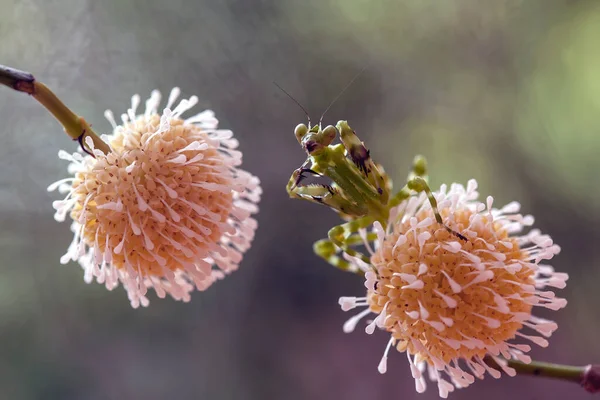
(329, 195)
(417, 182)
(361, 157)
(419, 169)
(341, 238)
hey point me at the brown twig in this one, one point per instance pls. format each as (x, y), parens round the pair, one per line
(588, 376)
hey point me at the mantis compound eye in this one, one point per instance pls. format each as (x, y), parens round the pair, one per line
(328, 135)
(317, 138)
(300, 131)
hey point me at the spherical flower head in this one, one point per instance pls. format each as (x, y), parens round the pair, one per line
(168, 208)
(448, 302)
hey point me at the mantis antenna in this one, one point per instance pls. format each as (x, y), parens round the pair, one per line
(341, 93)
(295, 101)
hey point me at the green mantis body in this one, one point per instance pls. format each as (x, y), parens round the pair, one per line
(360, 191)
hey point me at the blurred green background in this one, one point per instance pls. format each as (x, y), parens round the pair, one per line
(507, 92)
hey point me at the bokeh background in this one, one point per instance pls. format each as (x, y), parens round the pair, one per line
(507, 92)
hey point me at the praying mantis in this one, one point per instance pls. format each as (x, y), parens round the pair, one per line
(360, 192)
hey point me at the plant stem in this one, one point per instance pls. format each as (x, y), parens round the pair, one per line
(587, 376)
(75, 126)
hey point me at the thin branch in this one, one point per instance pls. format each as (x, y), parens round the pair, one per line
(75, 126)
(587, 377)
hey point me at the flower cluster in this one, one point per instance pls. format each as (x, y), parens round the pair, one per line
(448, 303)
(167, 208)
